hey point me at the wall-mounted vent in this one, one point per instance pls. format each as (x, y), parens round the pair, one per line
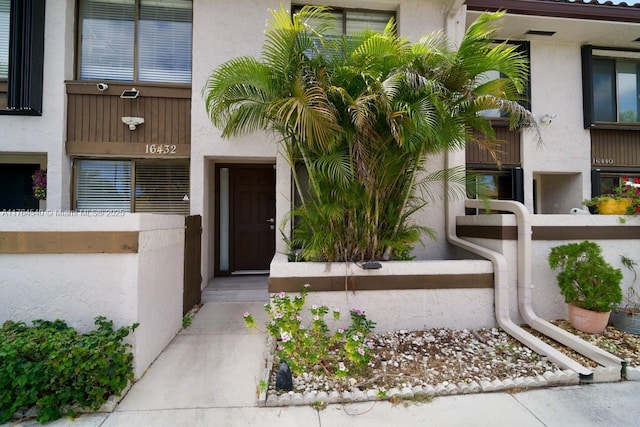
(540, 33)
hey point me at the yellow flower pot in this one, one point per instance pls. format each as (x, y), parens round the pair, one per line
(613, 206)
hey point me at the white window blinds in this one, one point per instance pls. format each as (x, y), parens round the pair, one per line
(360, 20)
(162, 187)
(4, 38)
(159, 52)
(103, 184)
(107, 40)
(164, 45)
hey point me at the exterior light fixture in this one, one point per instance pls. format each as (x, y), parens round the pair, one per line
(546, 119)
(371, 265)
(130, 93)
(132, 122)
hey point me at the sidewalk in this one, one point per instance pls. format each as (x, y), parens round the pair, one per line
(207, 376)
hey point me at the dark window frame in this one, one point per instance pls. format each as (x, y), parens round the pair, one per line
(26, 58)
(344, 10)
(588, 107)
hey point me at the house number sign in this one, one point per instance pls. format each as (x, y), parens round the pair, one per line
(601, 161)
(160, 149)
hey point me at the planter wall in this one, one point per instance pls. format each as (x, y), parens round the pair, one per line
(400, 295)
(127, 268)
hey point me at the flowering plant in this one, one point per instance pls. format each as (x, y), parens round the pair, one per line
(305, 347)
(628, 190)
(39, 184)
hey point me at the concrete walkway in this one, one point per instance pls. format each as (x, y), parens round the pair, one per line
(207, 376)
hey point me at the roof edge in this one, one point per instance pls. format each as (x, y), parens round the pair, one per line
(561, 9)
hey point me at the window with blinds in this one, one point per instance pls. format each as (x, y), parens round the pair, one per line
(103, 184)
(133, 186)
(350, 20)
(136, 40)
(4, 38)
(162, 187)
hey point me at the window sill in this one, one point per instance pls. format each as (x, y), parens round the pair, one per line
(6, 112)
(149, 90)
(615, 126)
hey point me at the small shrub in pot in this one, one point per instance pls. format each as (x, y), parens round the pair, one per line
(585, 278)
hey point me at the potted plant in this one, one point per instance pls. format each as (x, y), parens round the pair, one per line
(589, 284)
(625, 199)
(627, 316)
(39, 184)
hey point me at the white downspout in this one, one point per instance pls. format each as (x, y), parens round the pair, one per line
(525, 288)
(501, 290)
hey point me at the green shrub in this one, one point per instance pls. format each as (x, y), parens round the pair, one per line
(585, 278)
(51, 366)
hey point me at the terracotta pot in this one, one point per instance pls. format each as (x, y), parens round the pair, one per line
(613, 207)
(591, 322)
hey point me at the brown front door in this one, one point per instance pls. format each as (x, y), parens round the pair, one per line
(253, 210)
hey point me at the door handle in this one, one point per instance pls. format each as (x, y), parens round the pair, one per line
(271, 220)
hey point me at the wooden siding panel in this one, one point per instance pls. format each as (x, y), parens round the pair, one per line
(508, 152)
(615, 148)
(3, 94)
(96, 117)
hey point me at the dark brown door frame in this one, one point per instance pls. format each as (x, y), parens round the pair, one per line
(230, 166)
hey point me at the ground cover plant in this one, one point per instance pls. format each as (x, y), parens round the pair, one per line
(49, 365)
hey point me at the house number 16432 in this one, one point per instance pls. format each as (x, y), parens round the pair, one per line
(160, 149)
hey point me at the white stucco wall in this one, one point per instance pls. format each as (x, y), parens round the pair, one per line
(144, 287)
(547, 301)
(46, 134)
(556, 89)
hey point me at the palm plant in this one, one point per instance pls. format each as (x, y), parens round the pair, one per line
(362, 113)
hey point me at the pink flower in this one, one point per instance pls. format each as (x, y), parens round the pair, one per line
(299, 318)
(278, 315)
(342, 367)
(336, 310)
(340, 331)
(306, 285)
(361, 351)
(246, 314)
(282, 294)
(314, 306)
(302, 327)
(316, 318)
(355, 337)
(285, 337)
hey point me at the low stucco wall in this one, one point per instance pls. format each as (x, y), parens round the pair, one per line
(411, 295)
(143, 284)
(614, 237)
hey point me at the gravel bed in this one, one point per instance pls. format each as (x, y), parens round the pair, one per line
(454, 360)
